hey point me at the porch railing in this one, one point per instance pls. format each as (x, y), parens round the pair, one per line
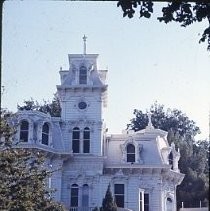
(81, 209)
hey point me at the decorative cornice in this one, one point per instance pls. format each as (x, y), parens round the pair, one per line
(82, 87)
(135, 169)
(80, 123)
(43, 148)
(31, 113)
(173, 176)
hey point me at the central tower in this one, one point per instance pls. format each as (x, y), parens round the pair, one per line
(82, 95)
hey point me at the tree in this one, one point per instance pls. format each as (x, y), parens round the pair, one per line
(194, 155)
(194, 164)
(183, 12)
(108, 203)
(96, 209)
(172, 120)
(23, 175)
(53, 107)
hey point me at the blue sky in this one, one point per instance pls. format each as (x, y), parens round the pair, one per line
(147, 61)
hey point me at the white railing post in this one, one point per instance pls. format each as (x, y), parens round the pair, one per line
(182, 204)
(81, 208)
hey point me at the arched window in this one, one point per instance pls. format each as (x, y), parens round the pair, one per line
(45, 133)
(75, 140)
(169, 204)
(170, 159)
(130, 153)
(74, 195)
(83, 75)
(24, 131)
(85, 196)
(86, 140)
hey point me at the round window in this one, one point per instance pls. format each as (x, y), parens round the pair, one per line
(82, 105)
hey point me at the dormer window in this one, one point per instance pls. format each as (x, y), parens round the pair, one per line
(24, 131)
(130, 153)
(45, 134)
(83, 75)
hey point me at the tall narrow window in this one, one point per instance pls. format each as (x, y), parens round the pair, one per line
(170, 159)
(146, 202)
(24, 130)
(85, 196)
(143, 201)
(74, 195)
(119, 194)
(75, 140)
(45, 134)
(86, 140)
(130, 153)
(83, 75)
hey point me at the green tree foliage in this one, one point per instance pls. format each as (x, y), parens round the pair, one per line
(194, 155)
(96, 209)
(172, 120)
(23, 175)
(108, 203)
(194, 164)
(183, 12)
(53, 107)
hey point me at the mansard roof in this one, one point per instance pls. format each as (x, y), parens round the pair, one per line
(95, 78)
(36, 119)
(33, 113)
(149, 142)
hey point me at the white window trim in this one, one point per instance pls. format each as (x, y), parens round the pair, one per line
(138, 149)
(49, 135)
(30, 130)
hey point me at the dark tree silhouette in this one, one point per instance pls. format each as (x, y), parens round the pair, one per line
(53, 107)
(109, 202)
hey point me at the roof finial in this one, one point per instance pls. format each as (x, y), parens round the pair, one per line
(150, 121)
(84, 39)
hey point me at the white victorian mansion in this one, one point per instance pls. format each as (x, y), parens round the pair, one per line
(141, 167)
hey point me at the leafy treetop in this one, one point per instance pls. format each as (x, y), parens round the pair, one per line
(168, 120)
(53, 108)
